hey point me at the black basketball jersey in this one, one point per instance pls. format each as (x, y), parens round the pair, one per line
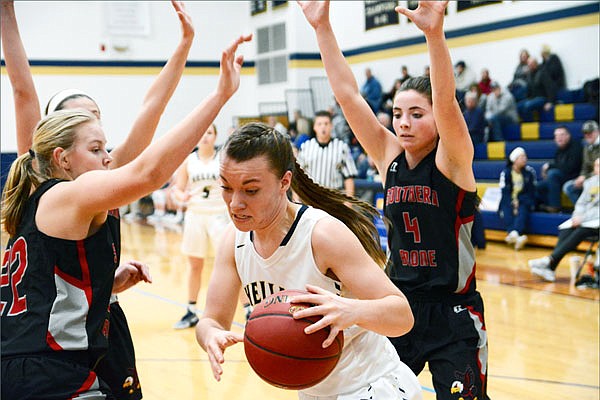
(55, 292)
(430, 238)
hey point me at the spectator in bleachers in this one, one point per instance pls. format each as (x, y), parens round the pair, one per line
(405, 74)
(385, 120)
(273, 122)
(464, 77)
(566, 165)
(583, 224)
(475, 118)
(552, 64)
(500, 111)
(485, 82)
(426, 71)
(518, 86)
(328, 161)
(573, 187)
(517, 183)
(299, 126)
(388, 98)
(542, 88)
(372, 91)
(341, 129)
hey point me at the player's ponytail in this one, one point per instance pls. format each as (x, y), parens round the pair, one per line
(29, 170)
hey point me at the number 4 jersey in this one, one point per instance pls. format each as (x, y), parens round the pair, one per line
(430, 238)
(55, 292)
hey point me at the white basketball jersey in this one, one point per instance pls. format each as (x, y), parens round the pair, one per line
(366, 355)
(203, 183)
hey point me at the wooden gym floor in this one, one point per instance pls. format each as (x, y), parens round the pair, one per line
(543, 337)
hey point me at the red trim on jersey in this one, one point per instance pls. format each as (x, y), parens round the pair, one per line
(84, 283)
(52, 342)
(87, 385)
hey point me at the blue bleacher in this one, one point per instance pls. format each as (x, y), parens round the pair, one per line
(489, 170)
(539, 223)
(543, 130)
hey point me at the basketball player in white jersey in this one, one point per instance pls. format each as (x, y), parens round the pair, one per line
(332, 252)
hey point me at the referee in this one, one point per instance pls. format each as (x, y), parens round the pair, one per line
(328, 161)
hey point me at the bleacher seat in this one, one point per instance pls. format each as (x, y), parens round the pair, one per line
(543, 130)
(539, 223)
(490, 169)
(535, 149)
(566, 96)
(569, 112)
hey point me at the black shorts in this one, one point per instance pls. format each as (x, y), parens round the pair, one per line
(449, 335)
(117, 368)
(50, 378)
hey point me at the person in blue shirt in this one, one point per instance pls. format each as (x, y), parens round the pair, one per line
(372, 91)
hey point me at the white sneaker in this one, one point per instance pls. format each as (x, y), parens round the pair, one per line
(520, 242)
(511, 237)
(154, 219)
(538, 263)
(545, 273)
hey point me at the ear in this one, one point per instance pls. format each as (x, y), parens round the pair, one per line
(286, 181)
(60, 159)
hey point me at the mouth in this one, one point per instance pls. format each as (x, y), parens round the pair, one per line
(240, 217)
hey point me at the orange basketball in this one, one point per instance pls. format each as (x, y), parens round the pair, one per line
(280, 352)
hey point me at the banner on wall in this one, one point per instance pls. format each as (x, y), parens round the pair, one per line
(380, 13)
(465, 5)
(278, 3)
(258, 6)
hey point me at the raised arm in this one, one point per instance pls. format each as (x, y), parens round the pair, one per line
(157, 97)
(455, 151)
(27, 105)
(374, 137)
(150, 170)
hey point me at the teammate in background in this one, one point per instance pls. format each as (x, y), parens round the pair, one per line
(118, 367)
(430, 199)
(64, 248)
(332, 252)
(197, 185)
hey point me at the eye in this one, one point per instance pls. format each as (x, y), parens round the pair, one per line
(417, 115)
(397, 115)
(252, 191)
(226, 188)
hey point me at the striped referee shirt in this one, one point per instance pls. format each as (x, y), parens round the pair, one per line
(327, 164)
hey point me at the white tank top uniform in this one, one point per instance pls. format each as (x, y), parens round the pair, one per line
(206, 216)
(369, 362)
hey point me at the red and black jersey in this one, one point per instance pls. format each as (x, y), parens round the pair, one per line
(55, 292)
(430, 239)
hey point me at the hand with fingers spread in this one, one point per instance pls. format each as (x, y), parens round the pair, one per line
(337, 311)
(231, 66)
(215, 344)
(316, 12)
(428, 17)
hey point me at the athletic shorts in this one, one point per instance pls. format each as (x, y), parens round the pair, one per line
(117, 368)
(450, 336)
(202, 232)
(50, 377)
(400, 384)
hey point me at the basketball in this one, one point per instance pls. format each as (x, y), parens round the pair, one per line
(280, 352)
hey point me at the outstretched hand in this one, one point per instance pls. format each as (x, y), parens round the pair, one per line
(187, 28)
(231, 66)
(428, 17)
(215, 349)
(316, 12)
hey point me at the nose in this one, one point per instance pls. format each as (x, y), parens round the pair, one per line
(108, 159)
(237, 202)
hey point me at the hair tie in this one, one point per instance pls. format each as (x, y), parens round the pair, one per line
(32, 153)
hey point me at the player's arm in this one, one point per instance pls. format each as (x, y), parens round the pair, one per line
(157, 97)
(374, 137)
(180, 183)
(455, 152)
(378, 304)
(213, 330)
(27, 105)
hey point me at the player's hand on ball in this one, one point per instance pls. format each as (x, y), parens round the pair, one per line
(336, 311)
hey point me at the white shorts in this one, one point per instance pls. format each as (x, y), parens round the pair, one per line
(400, 384)
(201, 233)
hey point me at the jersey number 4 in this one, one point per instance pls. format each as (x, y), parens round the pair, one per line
(14, 266)
(412, 226)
